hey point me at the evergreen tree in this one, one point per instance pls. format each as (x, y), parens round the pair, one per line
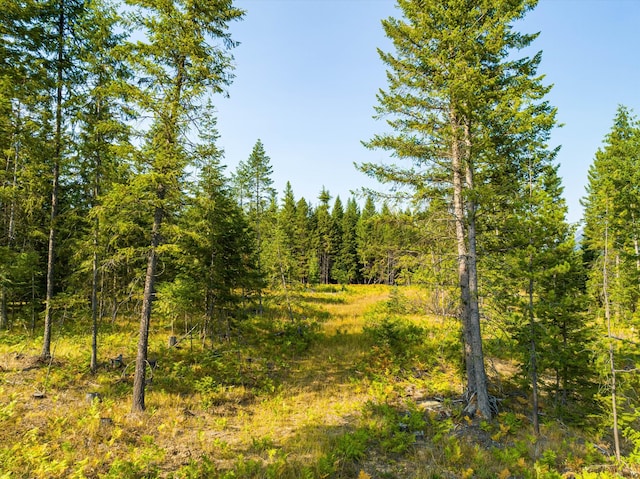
(304, 252)
(346, 269)
(461, 108)
(215, 255)
(253, 184)
(536, 281)
(611, 247)
(365, 240)
(613, 201)
(337, 218)
(324, 237)
(24, 124)
(285, 246)
(104, 134)
(181, 62)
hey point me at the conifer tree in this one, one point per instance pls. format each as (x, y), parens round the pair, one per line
(346, 268)
(62, 16)
(536, 281)
(324, 237)
(365, 240)
(611, 247)
(215, 256)
(460, 108)
(180, 62)
(253, 186)
(305, 253)
(287, 224)
(103, 135)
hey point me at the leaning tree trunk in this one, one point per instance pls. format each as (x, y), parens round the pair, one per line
(139, 380)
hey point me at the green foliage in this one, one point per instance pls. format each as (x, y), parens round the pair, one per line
(394, 430)
(352, 446)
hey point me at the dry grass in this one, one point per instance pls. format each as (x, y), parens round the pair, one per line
(317, 412)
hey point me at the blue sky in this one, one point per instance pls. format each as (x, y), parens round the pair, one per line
(307, 72)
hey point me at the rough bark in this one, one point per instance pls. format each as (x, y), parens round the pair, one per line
(533, 359)
(94, 302)
(607, 315)
(46, 342)
(464, 212)
(139, 380)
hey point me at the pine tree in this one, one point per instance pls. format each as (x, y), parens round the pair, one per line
(215, 256)
(346, 269)
(611, 247)
(304, 252)
(324, 237)
(460, 107)
(103, 134)
(253, 184)
(365, 241)
(536, 286)
(287, 224)
(613, 200)
(181, 62)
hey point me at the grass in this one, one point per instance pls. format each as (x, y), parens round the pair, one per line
(360, 385)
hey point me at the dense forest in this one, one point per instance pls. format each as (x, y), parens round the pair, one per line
(115, 202)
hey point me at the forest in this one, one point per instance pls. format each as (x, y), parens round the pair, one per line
(161, 316)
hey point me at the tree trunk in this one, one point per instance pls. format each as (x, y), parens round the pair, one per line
(94, 302)
(467, 272)
(4, 320)
(607, 314)
(46, 343)
(533, 359)
(145, 318)
(463, 271)
(475, 333)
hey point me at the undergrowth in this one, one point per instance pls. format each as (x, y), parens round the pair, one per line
(335, 382)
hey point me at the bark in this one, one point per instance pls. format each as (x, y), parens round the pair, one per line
(139, 380)
(46, 343)
(170, 130)
(534, 363)
(94, 267)
(464, 211)
(463, 271)
(4, 320)
(475, 333)
(94, 302)
(607, 315)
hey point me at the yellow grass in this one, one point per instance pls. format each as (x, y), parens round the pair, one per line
(301, 427)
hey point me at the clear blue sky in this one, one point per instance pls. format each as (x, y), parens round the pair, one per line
(307, 72)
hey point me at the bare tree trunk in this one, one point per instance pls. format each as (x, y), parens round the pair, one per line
(4, 318)
(533, 359)
(475, 333)
(463, 271)
(464, 212)
(46, 343)
(94, 301)
(139, 379)
(607, 314)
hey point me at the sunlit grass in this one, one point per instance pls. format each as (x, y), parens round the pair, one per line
(333, 394)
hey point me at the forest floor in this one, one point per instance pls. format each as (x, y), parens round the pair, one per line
(353, 382)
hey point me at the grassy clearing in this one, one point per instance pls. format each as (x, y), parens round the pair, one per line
(358, 385)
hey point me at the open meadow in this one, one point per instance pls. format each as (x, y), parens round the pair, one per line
(359, 384)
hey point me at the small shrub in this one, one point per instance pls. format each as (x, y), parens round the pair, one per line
(352, 446)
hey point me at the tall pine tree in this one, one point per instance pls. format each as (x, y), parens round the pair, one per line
(181, 61)
(459, 107)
